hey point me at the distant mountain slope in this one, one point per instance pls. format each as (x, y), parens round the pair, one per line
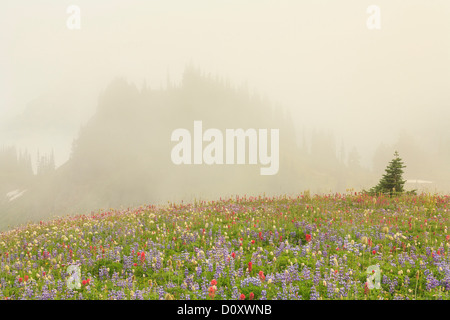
(122, 158)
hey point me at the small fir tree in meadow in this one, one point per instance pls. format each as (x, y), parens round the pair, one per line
(392, 181)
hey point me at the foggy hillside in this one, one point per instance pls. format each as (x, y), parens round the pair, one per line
(121, 157)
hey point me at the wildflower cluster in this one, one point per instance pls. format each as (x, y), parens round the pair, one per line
(244, 248)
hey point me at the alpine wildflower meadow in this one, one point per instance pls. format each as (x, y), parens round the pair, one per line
(304, 247)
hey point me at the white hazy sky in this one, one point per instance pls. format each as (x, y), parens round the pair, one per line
(316, 58)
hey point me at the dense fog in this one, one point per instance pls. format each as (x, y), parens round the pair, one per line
(92, 94)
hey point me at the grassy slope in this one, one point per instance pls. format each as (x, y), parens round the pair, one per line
(187, 245)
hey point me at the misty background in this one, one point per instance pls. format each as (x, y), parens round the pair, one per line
(86, 115)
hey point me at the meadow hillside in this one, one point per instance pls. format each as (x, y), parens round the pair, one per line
(336, 246)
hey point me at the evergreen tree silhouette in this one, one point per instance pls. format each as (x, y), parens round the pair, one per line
(392, 181)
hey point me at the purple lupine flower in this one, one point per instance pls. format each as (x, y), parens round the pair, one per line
(263, 295)
(406, 281)
(314, 294)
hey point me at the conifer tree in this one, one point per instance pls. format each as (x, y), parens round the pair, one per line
(392, 181)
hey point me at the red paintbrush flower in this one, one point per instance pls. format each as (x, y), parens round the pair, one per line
(366, 288)
(242, 297)
(250, 266)
(262, 277)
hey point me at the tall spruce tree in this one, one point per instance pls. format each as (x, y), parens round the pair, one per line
(392, 181)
